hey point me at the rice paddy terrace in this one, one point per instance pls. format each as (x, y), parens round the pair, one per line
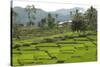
(55, 49)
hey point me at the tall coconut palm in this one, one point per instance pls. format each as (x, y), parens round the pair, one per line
(14, 16)
(30, 10)
(91, 17)
(15, 26)
(78, 23)
(51, 21)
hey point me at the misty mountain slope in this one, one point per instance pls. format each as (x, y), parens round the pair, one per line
(63, 14)
(23, 15)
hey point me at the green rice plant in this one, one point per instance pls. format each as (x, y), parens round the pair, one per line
(47, 45)
(79, 46)
(67, 48)
(89, 44)
(15, 62)
(41, 55)
(70, 60)
(27, 48)
(67, 45)
(46, 61)
(16, 52)
(66, 42)
(48, 48)
(81, 39)
(90, 56)
(27, 56)
(25, 62)
(15, 58)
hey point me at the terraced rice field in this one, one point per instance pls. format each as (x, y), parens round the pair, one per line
(55, 50)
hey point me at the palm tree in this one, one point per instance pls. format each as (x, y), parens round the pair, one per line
(43, 23)
(15, 26)
(57, 25)
(14, 16)
(78, 23)
(30, 10)
(56, 15)
(91, 17)
(51, 21)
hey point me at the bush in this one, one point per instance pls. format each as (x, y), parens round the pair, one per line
(82, 35)
(60, 61)
(62, 42)
(26, 45)
(49, 40)
(34, 43)
(16, 46)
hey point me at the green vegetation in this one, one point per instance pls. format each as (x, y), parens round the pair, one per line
(77, 49)
(49, 44)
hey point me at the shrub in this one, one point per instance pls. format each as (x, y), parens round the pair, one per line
(16, 46)
(49, 40)
(59, 61)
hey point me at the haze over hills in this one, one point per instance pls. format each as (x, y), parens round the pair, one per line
(63, 14)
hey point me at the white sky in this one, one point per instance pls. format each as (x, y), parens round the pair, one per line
(52, 5)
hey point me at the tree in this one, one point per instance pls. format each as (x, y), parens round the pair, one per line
(78, 23)
(47, 23)
(50, 21)
(56, 15)
(14, 16)
(15, 26)
(91, 18)
(56, 24)
(30, 10)
(43, 23)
